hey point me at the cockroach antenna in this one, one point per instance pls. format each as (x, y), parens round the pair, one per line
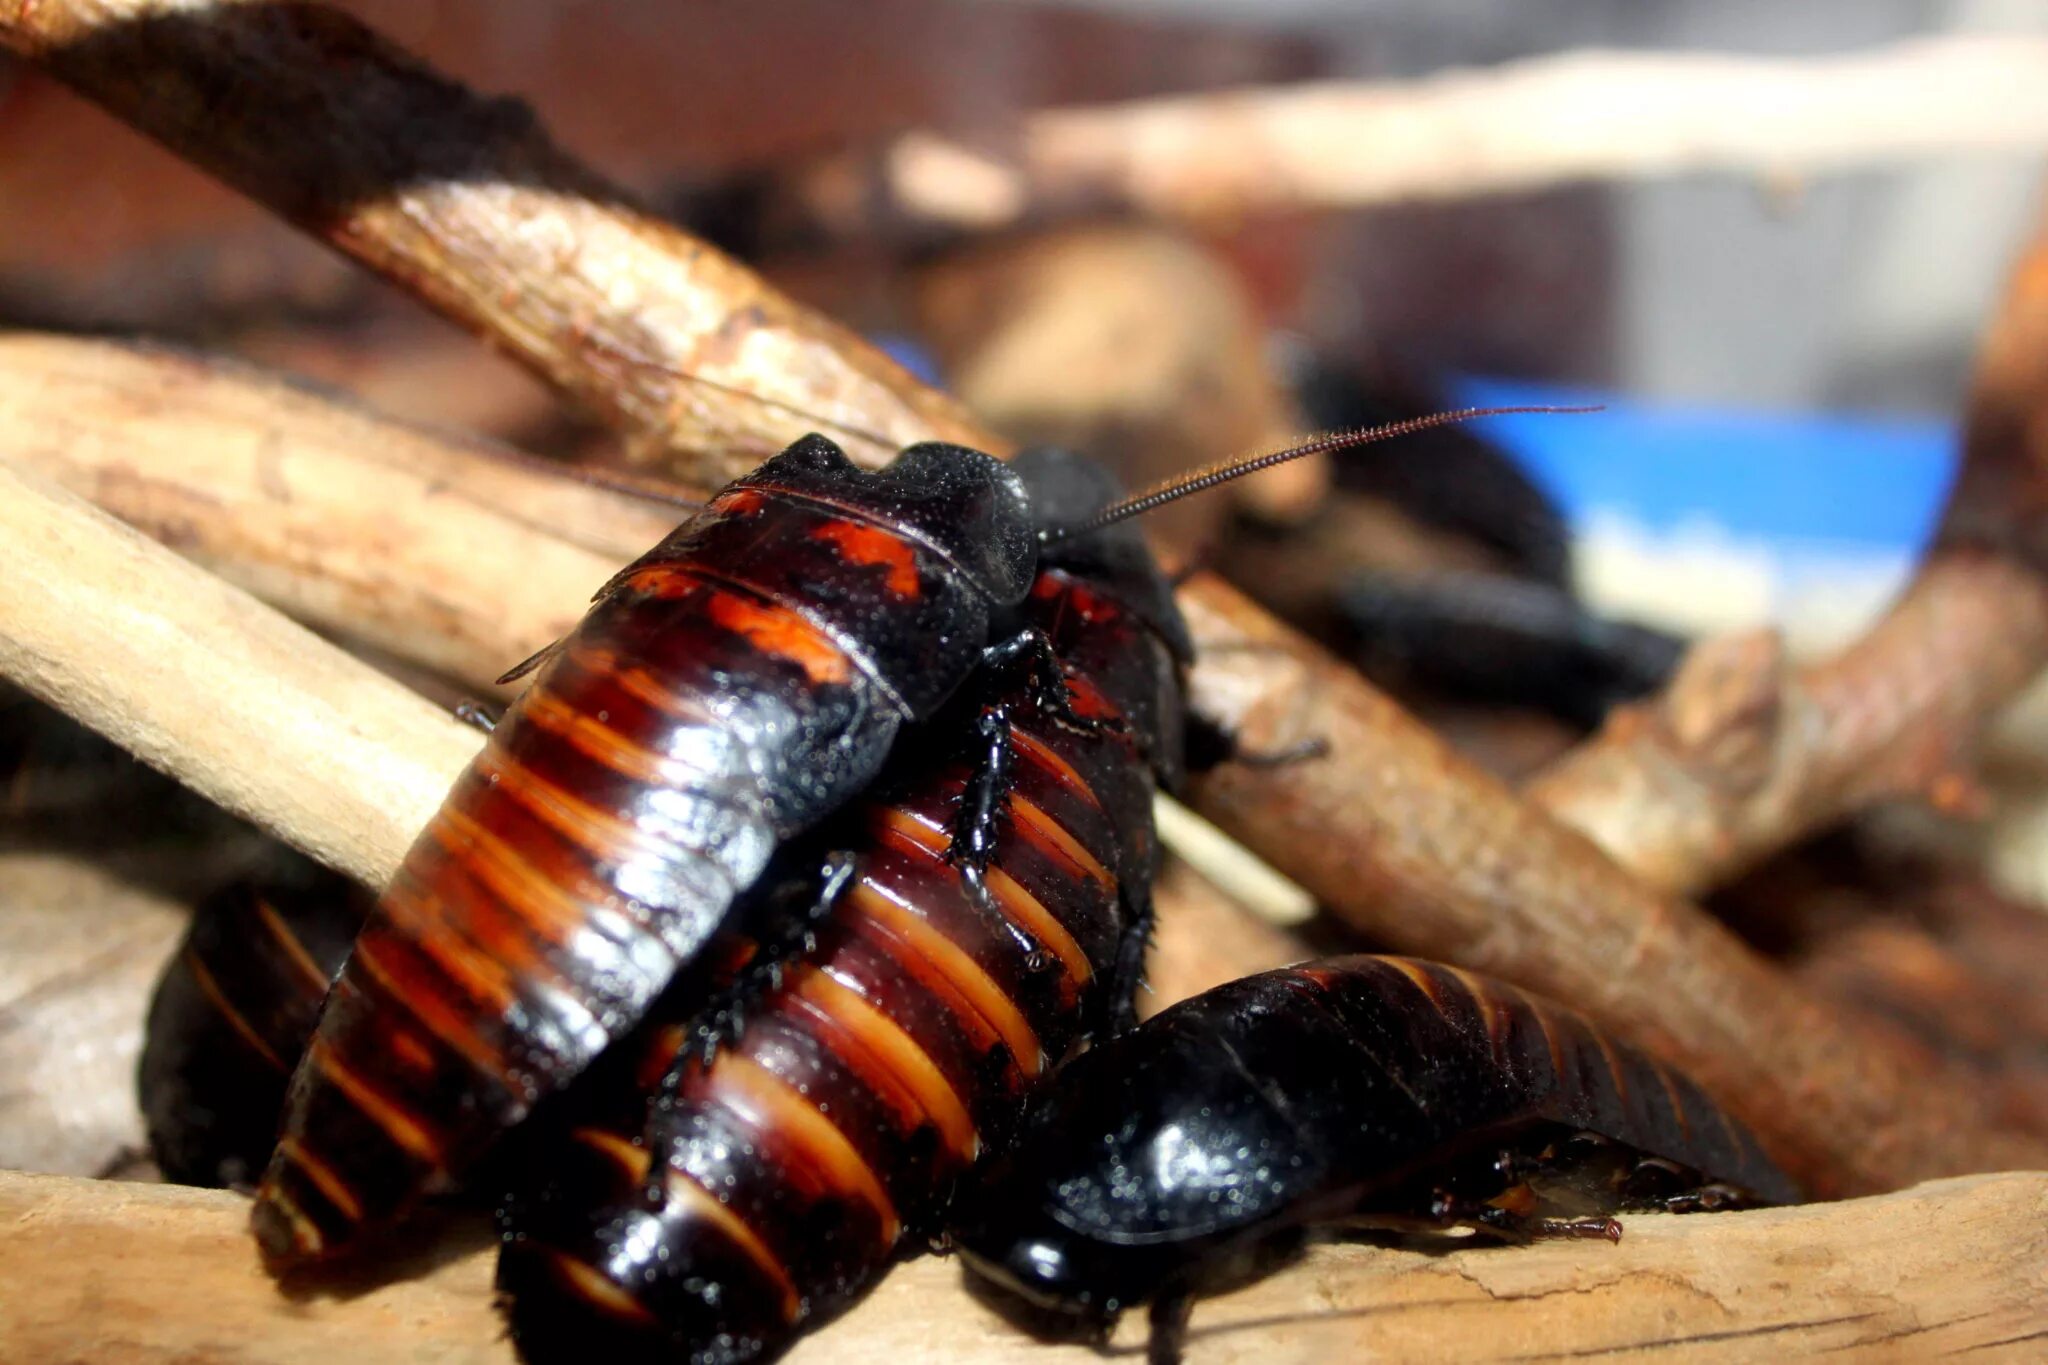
(1201, 480)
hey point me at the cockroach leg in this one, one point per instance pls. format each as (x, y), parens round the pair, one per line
(1502, 1217)
(1033, 649)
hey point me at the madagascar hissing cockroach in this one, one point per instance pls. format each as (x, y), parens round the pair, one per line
(1355, 1091)
(718, 1197)
(233, 1010)
(725, 692)
(732, 686)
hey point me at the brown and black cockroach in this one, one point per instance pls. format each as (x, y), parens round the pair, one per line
(711, 1201)
(233, 1010)
(728, 689)
(1493, 639)
(1385, 1092)
(725, 692)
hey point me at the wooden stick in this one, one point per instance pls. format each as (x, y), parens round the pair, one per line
(471, 214)
(1422, 851)
(442, 552)
(145, 1273)
(255, 713)
(1514, 127)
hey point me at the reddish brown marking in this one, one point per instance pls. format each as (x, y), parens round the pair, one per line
(1492, 1010)
(1423, 979)
(1041, 755)
(631, 1160)
(860, 543)
(294, 951)
(593, 1287)
(210, 988)
(399, 1124)
(1671, 1093)
(597, 741)
(421, 994)
(642, 685)
(910, 833)
(976, 987)
(324, 1178)
(687, 1192)
(768, 1105)
(739, 502)
(1051, 838)
(780, 632)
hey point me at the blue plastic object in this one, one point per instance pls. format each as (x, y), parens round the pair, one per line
(1875, 482)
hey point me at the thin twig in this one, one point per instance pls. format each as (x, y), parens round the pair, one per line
(1518, 126)
(465, 202)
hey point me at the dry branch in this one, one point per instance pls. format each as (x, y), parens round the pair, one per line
(466, 203)
(1525, 124)
(153, 1273)
(255, 713)
(1421, 850)
(1742, 755)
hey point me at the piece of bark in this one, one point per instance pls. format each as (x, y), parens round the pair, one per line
(192, 676)
(80, 947)
(1743, 755)
(1528, 123)
(147, 1273)
(1422, 851)
(466, 203)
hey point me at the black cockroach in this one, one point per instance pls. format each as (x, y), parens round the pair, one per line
(1496, 640)
(233, 1010)
(1370, 1091)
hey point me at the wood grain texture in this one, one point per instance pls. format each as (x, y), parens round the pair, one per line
(196, 678)
(139, 1273)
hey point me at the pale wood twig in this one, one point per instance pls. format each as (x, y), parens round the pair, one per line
(156, 1273)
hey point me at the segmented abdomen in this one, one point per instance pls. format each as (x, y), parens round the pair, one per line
(1506, 1054)
(232, 1011)
(741, 680)
(858, 1091)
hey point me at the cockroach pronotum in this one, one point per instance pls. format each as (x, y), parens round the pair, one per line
(233, 1010)
(994, 914)
(729, 688)
(1374, 1091)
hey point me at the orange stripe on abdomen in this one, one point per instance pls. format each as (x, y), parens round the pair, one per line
(761, 1100)
(855, 1023)
(944, 960)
